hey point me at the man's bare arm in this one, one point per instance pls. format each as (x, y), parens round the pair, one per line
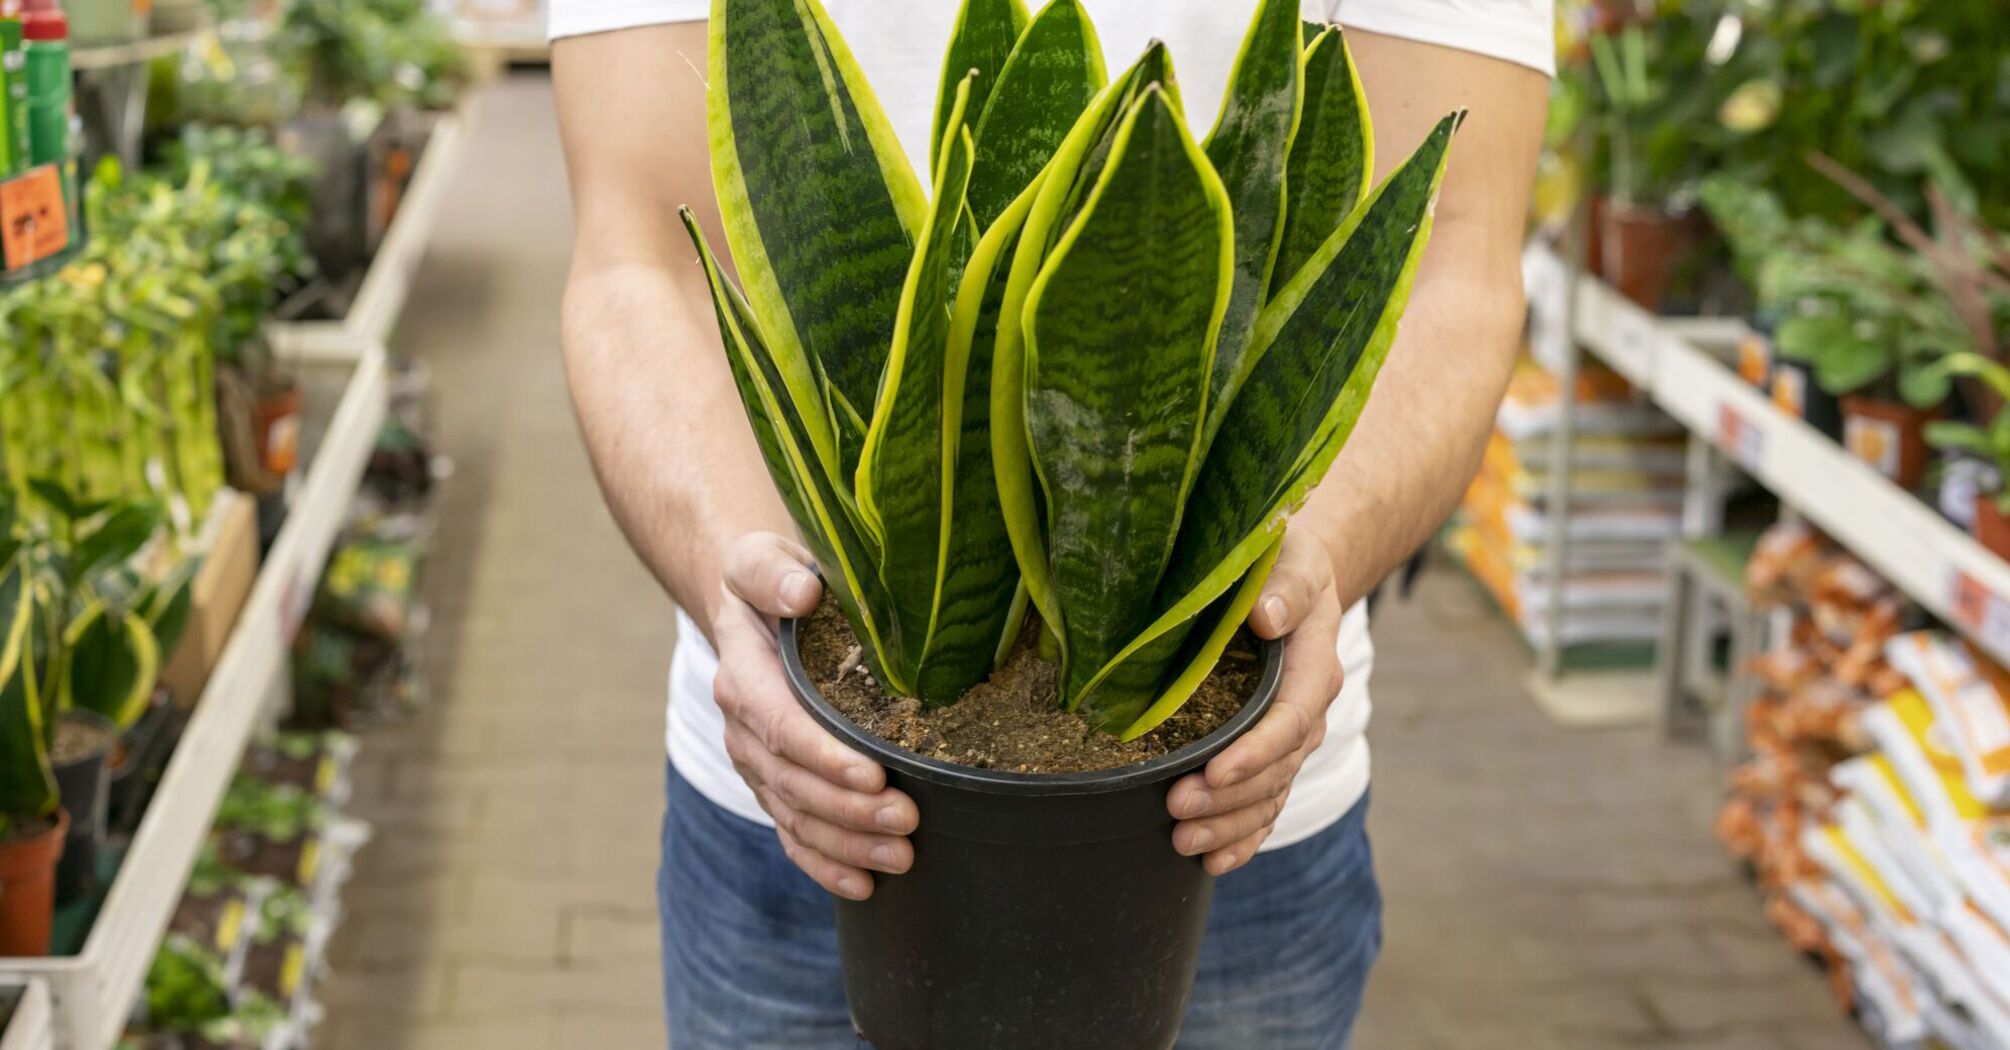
(671, 445)
(655, 399)
(1422, 435)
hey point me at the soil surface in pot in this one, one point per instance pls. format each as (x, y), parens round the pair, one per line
(77, 740)
(1013, 721)
(21, 829)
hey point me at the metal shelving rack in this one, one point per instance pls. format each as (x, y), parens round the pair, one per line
(1681, 365)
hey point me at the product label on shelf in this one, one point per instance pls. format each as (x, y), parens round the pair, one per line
(1980, 612)
(1740, 438)
(33, 222)
(1632, 347)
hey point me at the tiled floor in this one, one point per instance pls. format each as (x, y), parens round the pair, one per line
(1546, 890)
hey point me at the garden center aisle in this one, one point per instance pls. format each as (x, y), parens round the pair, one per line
(1546, 889)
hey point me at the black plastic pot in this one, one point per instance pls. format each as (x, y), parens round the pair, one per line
(84, 787)
(144, 748)
(1042, 911)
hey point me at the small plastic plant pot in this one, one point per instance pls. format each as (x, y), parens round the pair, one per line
(1042, 910)
(1889, 436)
(1992, 525)
(1797, 394)
(84, 785)
(28, 888)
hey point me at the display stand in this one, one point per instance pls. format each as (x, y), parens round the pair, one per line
(31, 1026)
(93, 992)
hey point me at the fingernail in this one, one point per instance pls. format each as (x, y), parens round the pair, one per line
(1202, 840)
(858, 777)
(1230, 776)
(852, 887)
(1227, 861)
(882, 856)
(798, 589)
(1274, 611)
(1198, 802)
(889, 817)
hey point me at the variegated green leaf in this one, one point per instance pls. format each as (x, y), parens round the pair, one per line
(903, 484)
(819, 204)
(1249, 147)
(985, 34)
(1154, 67)
(1221, 620)
(114, 659)
(1116, 390)
(1332, 159)
(27, 784)
(822, 511)
(1321, 344)
(1054, 72)
(1047, 202)
(1323, 340)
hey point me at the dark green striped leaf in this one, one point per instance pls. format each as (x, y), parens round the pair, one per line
(822, 511)
(985, 33)
(1332, 159)
(1322, 342)
(114, 658)
(1248, 148)
(27, 785)
(1154, 67)
(1054, 72)
(1119, 331)
(819, 204)
(903, 487)
(1309, 31)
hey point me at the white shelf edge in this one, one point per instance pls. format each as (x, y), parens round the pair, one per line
(381, 298)
(33, 1026)
(1927, 557)
(95, 990)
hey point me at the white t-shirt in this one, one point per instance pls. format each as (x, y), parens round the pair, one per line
(899, 44)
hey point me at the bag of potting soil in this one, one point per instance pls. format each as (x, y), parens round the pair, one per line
(314, 762)
(1969, 702)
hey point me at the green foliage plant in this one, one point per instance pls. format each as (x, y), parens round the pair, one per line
(1093, 372)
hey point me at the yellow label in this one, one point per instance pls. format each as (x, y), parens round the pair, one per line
(324, 775)
(310, 861)
(291, 972)
(230, 927)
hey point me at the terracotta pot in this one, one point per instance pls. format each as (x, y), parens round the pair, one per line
(28, 889)
(1891, 437)
(1992, 526)
(1640, 247)
(276, 421)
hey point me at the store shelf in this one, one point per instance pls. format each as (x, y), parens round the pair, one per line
(1929, 558)
(93, 992)
(381, 297)
(32, 1025)
(94, 57)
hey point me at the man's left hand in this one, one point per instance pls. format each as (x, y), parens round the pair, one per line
(1228, 809)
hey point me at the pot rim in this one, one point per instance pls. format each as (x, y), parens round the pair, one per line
(22, 856)
(96, 721)
(999, 782)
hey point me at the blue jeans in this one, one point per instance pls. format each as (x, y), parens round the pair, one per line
(750, 959)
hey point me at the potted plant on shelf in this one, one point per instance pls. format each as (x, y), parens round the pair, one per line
(105, 621)
(1043, 435)
(1858, 325)
(1988, 442)
(33, 825)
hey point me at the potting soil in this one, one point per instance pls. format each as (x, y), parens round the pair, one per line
(1013, 721)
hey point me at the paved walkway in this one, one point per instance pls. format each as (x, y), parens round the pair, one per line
(1546, 890)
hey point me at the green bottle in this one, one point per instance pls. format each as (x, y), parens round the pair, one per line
(13, 98)
(47, 32)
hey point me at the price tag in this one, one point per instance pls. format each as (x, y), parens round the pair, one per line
(1980, 612)
(33, 222)
(1740, 438)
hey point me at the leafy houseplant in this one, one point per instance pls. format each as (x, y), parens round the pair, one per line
(1093, 375)
(32, 825)
(1987, 441)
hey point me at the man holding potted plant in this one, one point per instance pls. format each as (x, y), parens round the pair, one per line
(749, 948)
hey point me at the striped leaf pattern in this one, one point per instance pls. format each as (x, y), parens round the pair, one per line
(1051, 76)
(27, 784)
(1094, 374)
(903, 484)
(1250, 146)
(986, 33)
(1116, 395)
(1332, 157)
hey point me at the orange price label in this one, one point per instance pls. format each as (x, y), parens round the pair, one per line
(33, 222)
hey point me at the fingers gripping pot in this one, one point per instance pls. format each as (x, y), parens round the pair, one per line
(1042, 910)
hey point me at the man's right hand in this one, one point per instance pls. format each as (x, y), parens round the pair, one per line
(836, 817)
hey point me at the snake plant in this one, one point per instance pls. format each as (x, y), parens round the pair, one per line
(1095, 369)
